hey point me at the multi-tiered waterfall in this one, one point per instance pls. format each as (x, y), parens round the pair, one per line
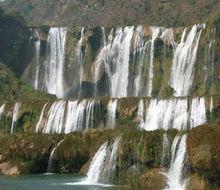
(148, 63)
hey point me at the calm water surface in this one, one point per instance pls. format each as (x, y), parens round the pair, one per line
(47, 182)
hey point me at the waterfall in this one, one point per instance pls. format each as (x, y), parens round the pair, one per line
(81, 114)
(79, 61)
(211, 107)
(175, 174)
(139, 53)
(172, 113)
(103, 37)
(165, 153)
(91, 113)
(198, 112)
(15, 115)
(182, 72)
(37, 69)
(78, 52)
(103, 163)
(54, 64)
(56, 118)
(50, 166)
(2, 109)
(97, 163)
(41, 118)
(69, 116)
(140, 113)
(155, 34)
(119, 59)
(112, 110)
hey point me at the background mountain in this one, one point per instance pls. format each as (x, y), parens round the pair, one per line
(113, 12)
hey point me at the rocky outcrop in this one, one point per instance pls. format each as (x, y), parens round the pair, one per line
(7, 169)
(204, 152)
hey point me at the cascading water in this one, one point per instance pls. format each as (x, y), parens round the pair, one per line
(54, 82)
(41, 118)
(125, 60)
(2, 109)
(182, 72)
(138, 54)
(103, 163)
(166, 151)
(55, 118)
(37, 68)
(15, 115)
(66, 117)
(112, 111)
(119, 59)
(79, 61)
(172, 113)
(198, 112)
(50, 167)
(175, 174)
(71, 117)
(155, 34)
(211, 107)
(97, 162)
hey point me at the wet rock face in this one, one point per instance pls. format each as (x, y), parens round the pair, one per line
(14, 36)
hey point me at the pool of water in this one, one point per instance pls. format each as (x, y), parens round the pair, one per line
(48, 182)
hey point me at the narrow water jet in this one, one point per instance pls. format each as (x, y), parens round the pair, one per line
(155, 34)
(112, 112)
(15, 115)
(2, 109)
(79, 61)
(50, 167)
(166, 151)
(37, 68)
(41, 118)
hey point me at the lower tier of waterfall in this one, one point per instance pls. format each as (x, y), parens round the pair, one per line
(173, 113)
(50, 167)
(103, 164)
(175, 175)
(152, 114)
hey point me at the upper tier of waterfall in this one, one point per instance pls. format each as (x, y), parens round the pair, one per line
(123, 62)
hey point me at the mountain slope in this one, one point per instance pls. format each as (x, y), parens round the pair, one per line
(111, 13)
